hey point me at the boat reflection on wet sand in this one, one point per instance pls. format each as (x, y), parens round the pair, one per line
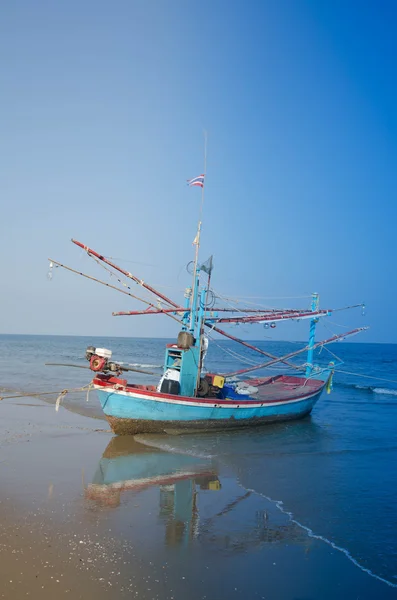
(232, 520)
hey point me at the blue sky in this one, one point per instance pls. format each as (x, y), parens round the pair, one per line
(103, 108)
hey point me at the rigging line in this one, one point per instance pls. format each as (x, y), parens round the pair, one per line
(112, 274)
(141, 282)
(99, 281)
(231, 303)
(234, 354)
(270, 297)
(348, 307)
(111, 286)
(135, 262)
(248, 345)
(328, 328)
(286, 357)
(332, 353)
(264, 307)
(244, 310)
(169, 287)
(338, 325)
(239, 310)
(366, 376)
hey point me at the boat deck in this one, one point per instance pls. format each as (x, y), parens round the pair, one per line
(283, 387)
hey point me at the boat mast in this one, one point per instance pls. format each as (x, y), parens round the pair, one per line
(313, 323)
(196, 242)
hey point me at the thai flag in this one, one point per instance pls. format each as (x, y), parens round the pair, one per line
(196, 181)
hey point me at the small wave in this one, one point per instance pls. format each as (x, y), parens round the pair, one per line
(369, 388)
(386, 391)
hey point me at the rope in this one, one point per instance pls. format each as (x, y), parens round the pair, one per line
(338, 325)
(141, 282)
(236, 298)
(237, 355)
(334, 355)
(59, 399)
(113, 274)
(232, 352)
(366, 376)
(135, 262)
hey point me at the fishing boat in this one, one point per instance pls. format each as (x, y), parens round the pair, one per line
(128, 466)
(187, 397)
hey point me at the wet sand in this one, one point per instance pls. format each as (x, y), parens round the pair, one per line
(84, 514)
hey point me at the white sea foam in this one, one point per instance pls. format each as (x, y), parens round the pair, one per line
(280, 505)
(386, 391)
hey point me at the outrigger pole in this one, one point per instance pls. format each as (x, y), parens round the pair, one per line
(117, 289)
(334, 338)
(148, 287)
(267, 315)
(176, 308)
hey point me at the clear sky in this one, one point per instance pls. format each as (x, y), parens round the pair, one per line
(103, 106)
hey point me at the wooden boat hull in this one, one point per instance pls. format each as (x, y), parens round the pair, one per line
(131, 411)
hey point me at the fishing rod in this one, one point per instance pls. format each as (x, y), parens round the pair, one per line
(292, 354)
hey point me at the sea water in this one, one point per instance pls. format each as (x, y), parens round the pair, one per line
(332, 474)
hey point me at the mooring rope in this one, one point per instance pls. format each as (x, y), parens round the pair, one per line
(366, 376)
(60, 397)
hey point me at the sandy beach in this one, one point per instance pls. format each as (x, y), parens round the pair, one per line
(84, 514)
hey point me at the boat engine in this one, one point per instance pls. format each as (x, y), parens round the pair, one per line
(99, 359)
(210, 385)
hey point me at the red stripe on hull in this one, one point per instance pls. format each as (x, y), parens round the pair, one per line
(118, 386)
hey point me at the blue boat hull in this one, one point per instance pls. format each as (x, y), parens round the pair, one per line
(130, 414)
